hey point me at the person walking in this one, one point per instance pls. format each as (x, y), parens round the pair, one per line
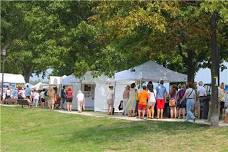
(151, 100)
(28, 95)
(161, 94)
(36, 98)
(110, 100)
(81, 101)
(69, 99)
(190, 96)
(32, 96)
(125, 99)
(131, 103)
(172, 101)
(63, 97)
(28, 92)
(15, 93)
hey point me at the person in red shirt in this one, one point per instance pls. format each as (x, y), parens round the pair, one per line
(143, 97)
(69, 96)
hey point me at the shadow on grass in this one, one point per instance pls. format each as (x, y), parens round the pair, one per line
(126, 131)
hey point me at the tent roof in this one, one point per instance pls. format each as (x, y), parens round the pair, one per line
(66, 80)
(12, 78)
(86, 78)
(40, 86)
(150, 71)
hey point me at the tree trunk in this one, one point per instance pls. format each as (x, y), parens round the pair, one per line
(27, 73)
(191, 74)
(214, 107)
(191, 65)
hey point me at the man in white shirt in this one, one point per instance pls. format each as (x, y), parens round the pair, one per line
(81, 101)
(201, 90)
(8, 93)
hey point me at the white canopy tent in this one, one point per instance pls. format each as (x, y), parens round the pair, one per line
(100, 85)
(12, 78)
(150, 71)
(55, 80)
(67, 80)
(94, 88)
(40, 86)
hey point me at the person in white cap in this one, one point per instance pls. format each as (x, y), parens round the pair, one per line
(201, 90)
(81, 101)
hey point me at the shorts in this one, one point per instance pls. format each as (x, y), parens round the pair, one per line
(222, 105)
(183, 104)
(7, 97)
(160, 103)
(141, 107)
(69, 99)
(150, 104)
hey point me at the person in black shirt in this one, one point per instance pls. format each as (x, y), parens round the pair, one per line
(63, 97)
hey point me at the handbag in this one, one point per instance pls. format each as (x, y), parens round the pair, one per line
(172, 102)
(121, 105)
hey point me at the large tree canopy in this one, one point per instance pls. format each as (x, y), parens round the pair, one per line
(77, 36)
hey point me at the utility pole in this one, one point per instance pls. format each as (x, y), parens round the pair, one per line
(3, 54)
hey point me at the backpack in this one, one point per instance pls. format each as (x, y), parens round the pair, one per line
(46, 93)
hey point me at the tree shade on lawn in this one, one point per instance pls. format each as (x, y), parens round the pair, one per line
(41, 130)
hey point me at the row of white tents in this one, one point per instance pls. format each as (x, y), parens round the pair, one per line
(95, 89)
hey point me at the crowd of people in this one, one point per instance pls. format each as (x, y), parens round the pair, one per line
(45, 97)
(183, 101)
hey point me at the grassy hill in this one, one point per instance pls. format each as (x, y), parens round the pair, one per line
(37, 130)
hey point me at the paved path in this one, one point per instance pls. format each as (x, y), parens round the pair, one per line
(121, 117)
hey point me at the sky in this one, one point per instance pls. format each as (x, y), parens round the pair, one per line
(205, 75)
(39, 78)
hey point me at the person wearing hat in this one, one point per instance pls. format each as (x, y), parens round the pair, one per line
(110, 100)
(81, 101)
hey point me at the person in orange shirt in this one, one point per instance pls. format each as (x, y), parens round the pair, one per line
(143, 97)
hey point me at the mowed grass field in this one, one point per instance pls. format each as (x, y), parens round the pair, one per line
(37, 130)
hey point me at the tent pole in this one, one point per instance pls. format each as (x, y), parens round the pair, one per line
(141, 80)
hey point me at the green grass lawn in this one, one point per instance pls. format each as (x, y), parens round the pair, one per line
(31, 130)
